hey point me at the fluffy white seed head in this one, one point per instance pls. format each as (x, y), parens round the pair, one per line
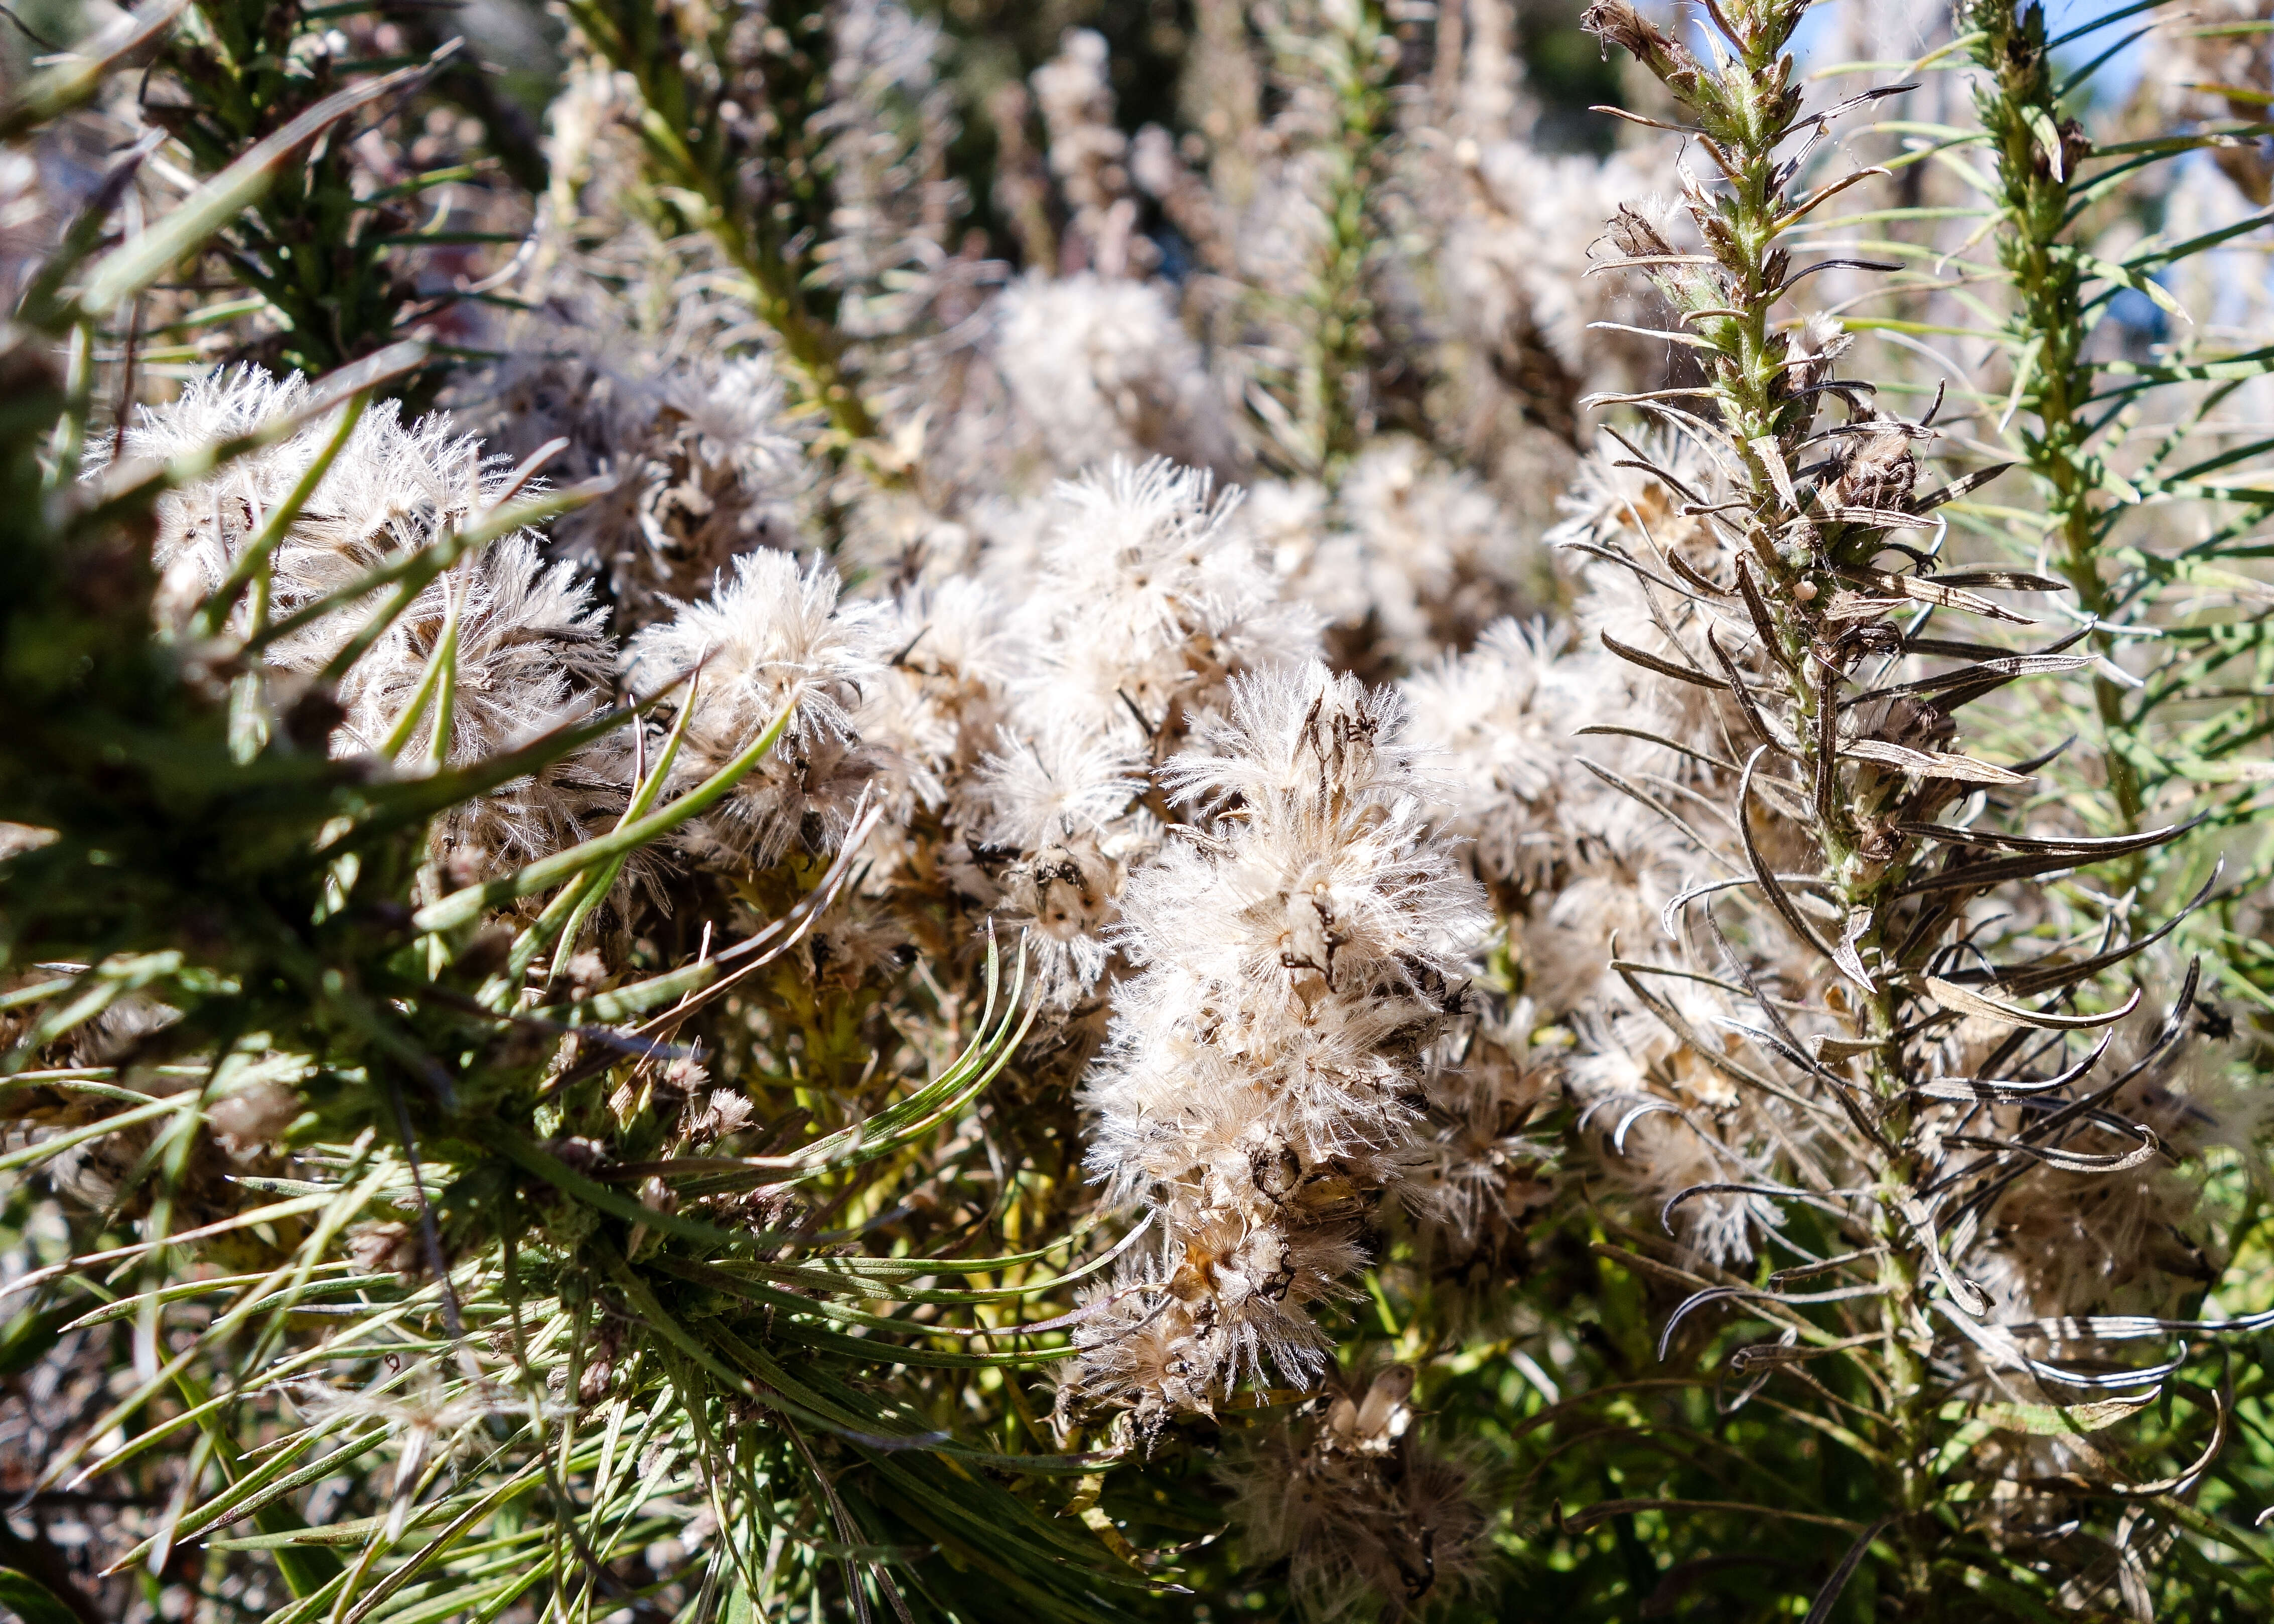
(1148, 601)
(1100, 367)
(1294, 957)
(770, 641)
(528, 655)
(392, 487)
(1373, 1519)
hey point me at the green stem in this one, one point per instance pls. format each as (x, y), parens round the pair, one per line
(1330, 408)
(464, 906)
(2036, 154)
(68, 443)
(1747, 106)
(629, 39)
(253, 565)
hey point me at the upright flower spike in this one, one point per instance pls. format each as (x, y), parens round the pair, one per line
(2038, 152)
(1089, 153)
(1298, 952)
(1884, 1070)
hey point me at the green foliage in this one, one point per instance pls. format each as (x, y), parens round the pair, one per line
(725, 130)
(460, 1366)
(2080, 425)
(270, 895)
(317, 254)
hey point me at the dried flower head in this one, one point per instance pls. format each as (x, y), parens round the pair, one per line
(771, 644)
(1294, 958)
(1373, 1522)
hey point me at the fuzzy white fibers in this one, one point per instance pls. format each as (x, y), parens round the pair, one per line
(1514, 260)
(937, 701)
(1141, 601)
(1100, 367)
(1652, 1142)
(1475, 1174)
(700, 460)
(1413, 562)
(1437, 547)
(393, 487)
(1500, 720)
(532, 656)
(770, 638)
(1584, 868)
(1373, 1520)
(1138, 601)
(1038, 825)
(1294, 958)
(2136, 1241)
(1612, 503)
(1479, 1168)
(1062, 797)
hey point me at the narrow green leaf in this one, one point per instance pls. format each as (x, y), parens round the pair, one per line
(142, 260)
(71, 84)
(31, 1602)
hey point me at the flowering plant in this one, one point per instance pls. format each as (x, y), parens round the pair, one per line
(1338, 807)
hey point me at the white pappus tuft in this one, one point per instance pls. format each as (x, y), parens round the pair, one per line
(771, 640)
(1295, 955)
